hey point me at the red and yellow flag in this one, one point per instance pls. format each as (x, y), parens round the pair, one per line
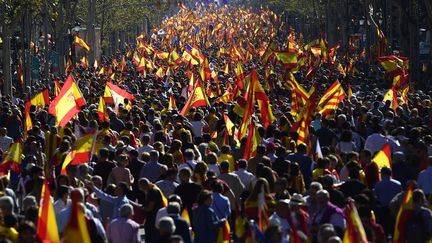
(224, 233)
(47, 230)
(252, 142)
(76, 229)
(80, 42)
(83, 149)
(115, 95)
(383, 157)
(102, 110)
(331, 99)
(196, 99)
(67, 104)
(13, 158)
(172, 104)
(404, 213)
(354, 231)
(57, 87)
(41, 99)
(391, 95)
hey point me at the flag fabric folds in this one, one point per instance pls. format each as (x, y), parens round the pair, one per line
(67, 104)
(13, 158)
(115, 95)
(83, 149)
(76, 228)
(78, 41)
(403, 215)
(383, 157)
(354, 231)
(47, 230)
(41, 99)
(196, 99)
(224, 233)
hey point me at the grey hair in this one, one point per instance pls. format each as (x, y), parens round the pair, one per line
(28, 202)
(166, 224)
(126, 210)
(315, 186)
(7, 203)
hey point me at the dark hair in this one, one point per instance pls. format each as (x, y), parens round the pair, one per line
(242, 163)
(203, 196)
(224, 165)
(386, 171)
(62, 190)
(217, 187)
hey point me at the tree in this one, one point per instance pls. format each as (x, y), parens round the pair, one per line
(11, 12)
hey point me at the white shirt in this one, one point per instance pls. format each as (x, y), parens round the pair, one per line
(5, 143)
(246, 177)
(425, 180)
(375, 142)
(145, 149)
(59, 205)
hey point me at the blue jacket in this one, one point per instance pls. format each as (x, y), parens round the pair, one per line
(206, 224)
(182, 228)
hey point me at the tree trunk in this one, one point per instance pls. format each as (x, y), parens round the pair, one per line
(6, 56)
(414, 42)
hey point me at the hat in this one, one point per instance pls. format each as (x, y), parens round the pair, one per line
(297, 199)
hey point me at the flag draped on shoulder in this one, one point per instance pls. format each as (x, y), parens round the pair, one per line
(76, 228)
(47, 230)
(68, 103)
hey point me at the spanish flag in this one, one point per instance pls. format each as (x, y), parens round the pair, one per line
(142, 65)
(349, 92)
(47, 230)
(67, 160)
(263, 101)
(383, 157)
(185, 215)
(102, 110)
(80, 42)
(67, 104)
(115, 95)
(354, 231)
(28, 124)
(174, 59)
(205, 71)
(76, 229)
(239, 76)
(404, 214)
(160, 73)
(156, 188)
(41, 99)
(392, 97)
(13, 158)
(252, 142)
(196, 99)
(224, 233)
(57, 87)
(288, 59)
(83, 149)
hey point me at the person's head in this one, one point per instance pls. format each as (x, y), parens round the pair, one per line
(103, 154)
(365, 156)
(121, 189)
(211, 158)
(63, 193)
(205, 198)
(6, 205)
(3, 131)
(274, 233)
(185, 175)
(126, 211)
(173, 208)
(166, 226)
(145, 139)
(224, 166)
(242, 164)
(189, 154)
(225, 149)
(302, 148)
(282, 208)
(322, 198)
(201, 168)
(325, 232)
(171, 174)
(217, 187)
(28, 202)
(386, 172)
(313, 189)
(419, 197)
(123, 160)
(154, 155)
(261, 149)
(175, 198)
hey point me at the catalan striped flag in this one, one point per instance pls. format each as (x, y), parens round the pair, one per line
(331, 99)
(47, 230)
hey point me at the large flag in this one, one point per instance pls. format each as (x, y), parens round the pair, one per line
(383, 157)
(76, 229)
(83, 149)
(331, 99)
(288, 59)
(196, 99)
(193, 55)
(354, 231)
(41, 99)
(115, 95)
(67, 104)
(80, 42)
(13, 158)
(47, 230)
(404, 213)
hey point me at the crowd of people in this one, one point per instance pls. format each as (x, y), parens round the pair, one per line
(160, 173)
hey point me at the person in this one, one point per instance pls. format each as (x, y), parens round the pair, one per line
(118, 200)
(169, 184)
(153, 169)
(123, 228)
(255, 160)
(187, 189)
(166, 230)
(419, 225)
(153, 202)
(181, 225)
(5, 140)
(225, 155)
(206, 223)
(62, 199)
(304, 161)
(245, 176)
(424, 180)
(353, 186)
(221, 204)
(279, 217)
(121, 173)
(231, 179)
(190, 162)
(297, 215)
(327, 213)
(386, 189)
(251, 205)
(104, 166)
